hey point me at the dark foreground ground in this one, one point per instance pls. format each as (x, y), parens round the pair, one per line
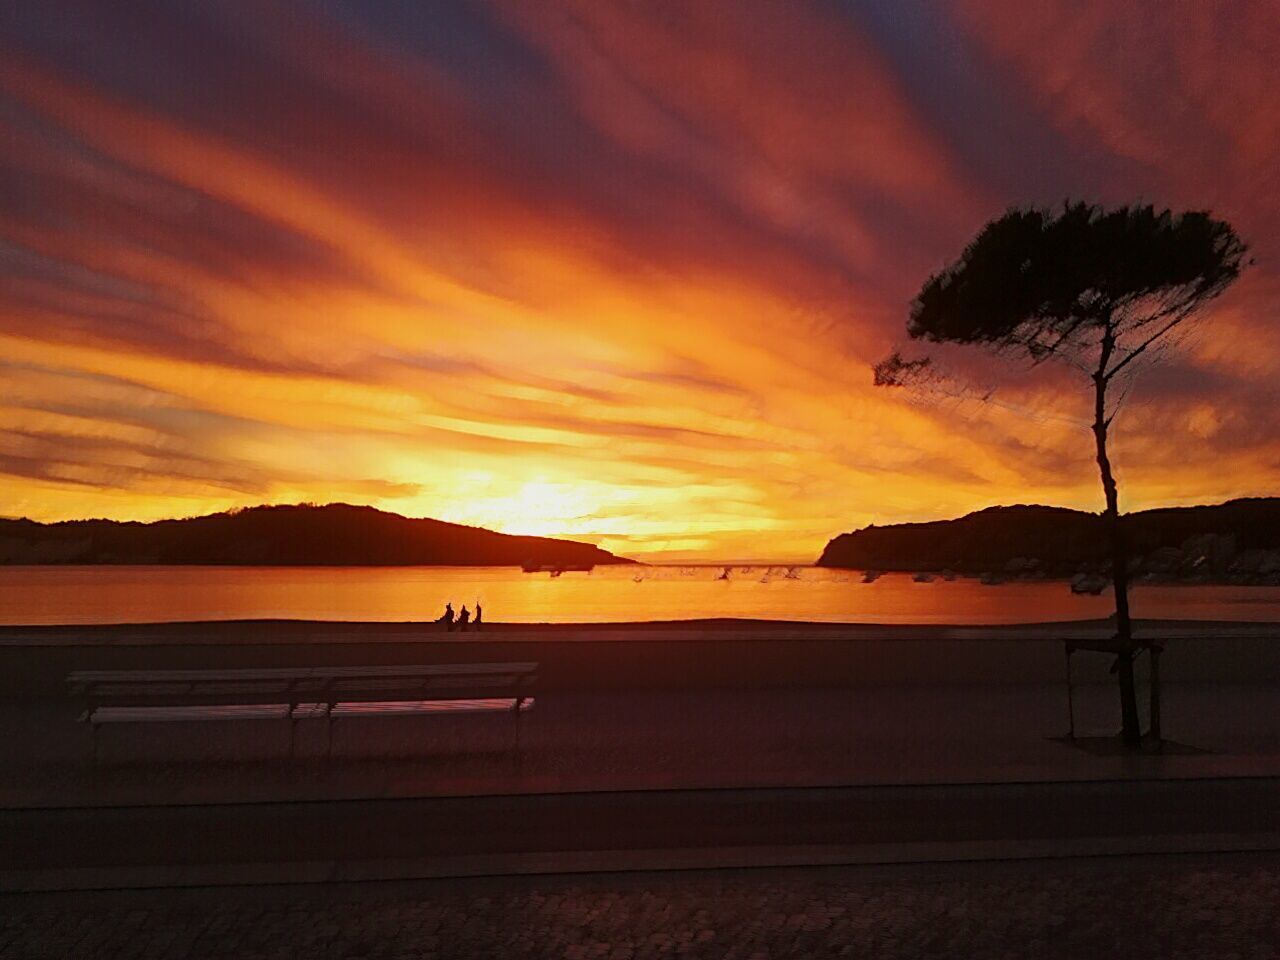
(1219, 906)
(861, 748)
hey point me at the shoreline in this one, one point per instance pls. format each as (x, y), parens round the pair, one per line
(292, 630)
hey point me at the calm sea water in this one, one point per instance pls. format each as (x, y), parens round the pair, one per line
(132, 594)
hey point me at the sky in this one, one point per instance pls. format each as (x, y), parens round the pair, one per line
(610, 270)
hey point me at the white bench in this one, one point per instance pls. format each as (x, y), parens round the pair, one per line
(232, 711)
(297, 694)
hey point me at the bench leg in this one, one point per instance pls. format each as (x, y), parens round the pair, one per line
(1154, 702)
(1071, 702)
(517, 754)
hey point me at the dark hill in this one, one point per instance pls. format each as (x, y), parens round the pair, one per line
(1064, 541)
(337, 534)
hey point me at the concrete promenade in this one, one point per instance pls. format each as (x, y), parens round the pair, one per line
(716, 705)
(742, 745)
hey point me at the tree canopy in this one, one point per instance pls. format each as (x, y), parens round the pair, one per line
(1056, 283)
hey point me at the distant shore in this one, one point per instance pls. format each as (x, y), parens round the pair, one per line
(1237, 542)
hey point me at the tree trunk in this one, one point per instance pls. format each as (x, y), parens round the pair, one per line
(1131, 732)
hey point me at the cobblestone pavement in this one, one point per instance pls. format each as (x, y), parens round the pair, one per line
(1219, 906)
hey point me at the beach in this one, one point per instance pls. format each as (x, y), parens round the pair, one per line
(677, 654)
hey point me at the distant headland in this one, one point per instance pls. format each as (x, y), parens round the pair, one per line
(337, 534)
(1236, 542)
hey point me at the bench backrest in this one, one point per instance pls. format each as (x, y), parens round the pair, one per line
(294, 685)
(277, 673)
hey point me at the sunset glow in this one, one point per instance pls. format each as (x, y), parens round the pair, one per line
(609, 271)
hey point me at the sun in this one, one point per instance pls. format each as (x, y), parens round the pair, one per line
(535, 507)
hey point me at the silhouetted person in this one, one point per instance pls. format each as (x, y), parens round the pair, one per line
(479, 615)
(464, 618)
(447, 617)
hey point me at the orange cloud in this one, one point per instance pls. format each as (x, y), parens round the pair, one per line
(610, 271)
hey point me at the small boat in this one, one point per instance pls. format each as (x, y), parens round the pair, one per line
(923, 578)
(555, 569)
(871, 576)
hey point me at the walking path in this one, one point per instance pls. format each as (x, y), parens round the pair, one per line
(1168, 907)
(381, 839)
